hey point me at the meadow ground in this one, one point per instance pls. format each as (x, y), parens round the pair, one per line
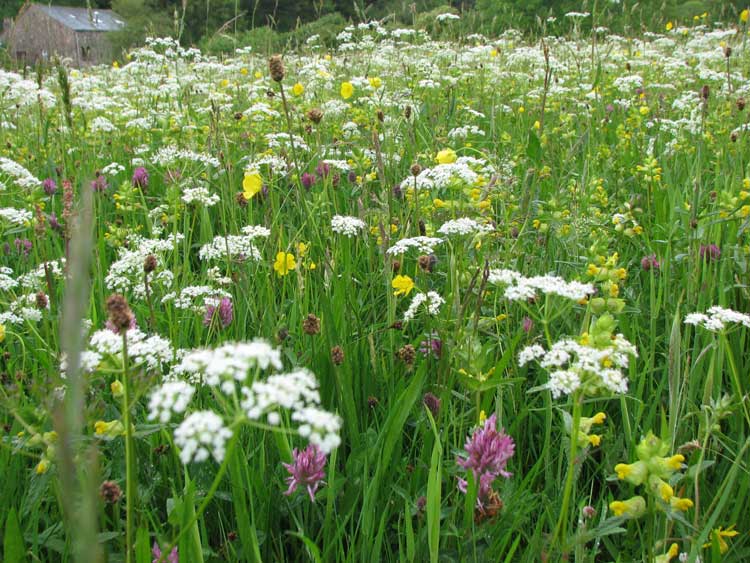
(394, 300)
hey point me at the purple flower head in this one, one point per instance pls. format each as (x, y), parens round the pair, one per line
(224, 310)
(432, 346)
(488, 450)
(710, 253)
(23, 246)
(307, 469)
(397, 191)
(323, 169)
(433, 403)
(307, 180)
(484, 490)
(140, 177)
(156, 552)
(54, 222)
(50, 186)
(99, 184)
(650, 262)
(527, 325)
(352, 176)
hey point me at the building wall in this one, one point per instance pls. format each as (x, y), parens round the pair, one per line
(36, 36)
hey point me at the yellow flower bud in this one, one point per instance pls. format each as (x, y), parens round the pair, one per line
(117, 389)
(634, 507)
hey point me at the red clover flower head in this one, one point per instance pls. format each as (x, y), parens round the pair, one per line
(307, 469)
(140, 177)
(488, 450)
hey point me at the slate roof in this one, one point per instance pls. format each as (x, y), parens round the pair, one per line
(78, 19)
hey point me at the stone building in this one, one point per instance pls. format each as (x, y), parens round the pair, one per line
(40, 32)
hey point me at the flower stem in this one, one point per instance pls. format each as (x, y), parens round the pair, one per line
(129, 453)
(209, 495)
(561, 529)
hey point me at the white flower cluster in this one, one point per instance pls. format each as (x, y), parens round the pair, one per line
(520, 287)
(228, 370)
(223, 366)
(200, 195)
(113, 169)
(196, 297)
(348, 226)
(570, 364)
(126, 274)
(101, 125)
(7, 281)
(171, 398)
(151, 352)
(717, 319)
(36, 279)
(463, 226)
(431, 299)
(171, 155)
(458, 133)
(20, 175)
(424, 245)
(20, 217)
(21, 310)
(238, 247)
(202, 435)
(296, 391)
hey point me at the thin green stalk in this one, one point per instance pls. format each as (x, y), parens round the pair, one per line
(561, 529)
(130, 484)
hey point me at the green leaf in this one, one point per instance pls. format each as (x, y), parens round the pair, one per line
(142, 546)
(434, 481)
(13, 549)
(534, 148)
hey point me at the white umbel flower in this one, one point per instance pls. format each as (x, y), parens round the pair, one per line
(172, 397)
(202, 435)
(347, 226)
(463, 226)
(431, 300)
(717, 319)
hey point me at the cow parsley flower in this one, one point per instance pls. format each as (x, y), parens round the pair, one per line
(200, 436)
(423, 245)
(347, 226)
(227, 364)
(519, 287)
(431, 300)
(717, 318)
(463, 226)
(171, 398)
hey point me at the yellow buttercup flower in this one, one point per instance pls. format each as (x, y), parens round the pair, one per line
(252, 183)
(2, 332)
(446, 156)
(297, 89)
(347, 89)
(669, 26)
(375, 82)
(482, 417)
(402, 284)
(744, 15)
(284, 263)
(42, 467)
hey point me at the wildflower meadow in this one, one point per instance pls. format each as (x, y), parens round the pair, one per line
(406, 297)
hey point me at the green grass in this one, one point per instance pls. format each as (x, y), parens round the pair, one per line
(612, 177)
